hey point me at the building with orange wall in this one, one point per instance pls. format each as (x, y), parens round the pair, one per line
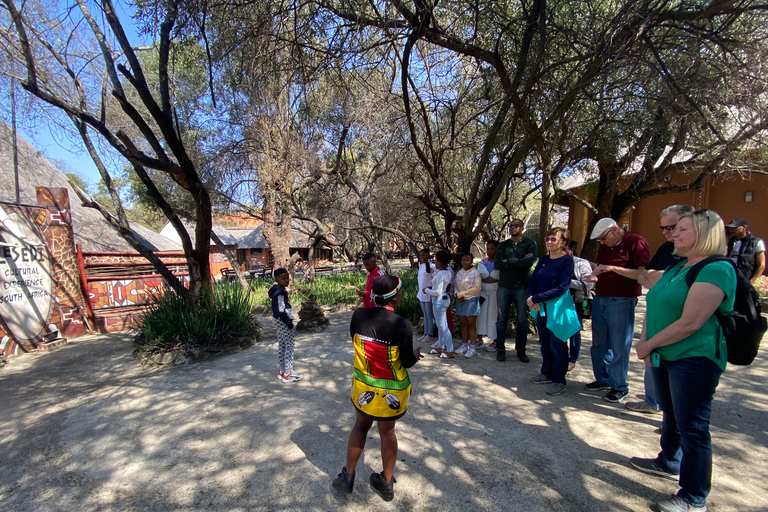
(735, 196)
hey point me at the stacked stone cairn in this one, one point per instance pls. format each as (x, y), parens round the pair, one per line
(311, 316)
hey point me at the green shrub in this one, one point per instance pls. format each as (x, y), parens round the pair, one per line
(328, 289)
(170, 324)
(761, 285)
(409, 307)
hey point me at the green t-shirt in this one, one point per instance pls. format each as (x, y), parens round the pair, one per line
(665, 302)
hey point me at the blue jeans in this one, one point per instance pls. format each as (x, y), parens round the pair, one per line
(650, 389)
(575, 347)
(685, 389)
(574, 343)
(505, 298)
(429, 317)
(439, 307)
(554, 352)
(613, 326)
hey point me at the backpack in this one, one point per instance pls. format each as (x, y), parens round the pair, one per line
(743, 327)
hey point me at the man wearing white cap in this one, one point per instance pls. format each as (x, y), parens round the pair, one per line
(613, 309)
(746, 250)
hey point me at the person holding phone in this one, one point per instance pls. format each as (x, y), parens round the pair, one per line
(682, 331)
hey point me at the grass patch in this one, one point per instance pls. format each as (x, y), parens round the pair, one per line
(329, 291)
(172, 325)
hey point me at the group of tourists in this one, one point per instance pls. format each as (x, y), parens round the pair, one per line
(681, 342)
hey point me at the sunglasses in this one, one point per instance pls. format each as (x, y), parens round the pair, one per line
(671, 227)
(515, 226)
(551, 239)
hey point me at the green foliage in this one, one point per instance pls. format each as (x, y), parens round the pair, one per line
(171, 324)
(78, 180)
(409, 307)
(328, 289)
(761, 285)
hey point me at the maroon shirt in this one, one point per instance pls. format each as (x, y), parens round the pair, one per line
(631, 252)
(367, 300)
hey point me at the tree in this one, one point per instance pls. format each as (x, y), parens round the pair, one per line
(532, 60)
(67, 61)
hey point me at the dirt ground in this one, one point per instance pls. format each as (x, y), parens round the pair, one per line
(85, 428)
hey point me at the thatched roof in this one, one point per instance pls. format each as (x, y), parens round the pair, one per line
(91, 230)
(251, 238)
(223, 233)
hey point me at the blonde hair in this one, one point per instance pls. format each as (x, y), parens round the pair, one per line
(710, 233)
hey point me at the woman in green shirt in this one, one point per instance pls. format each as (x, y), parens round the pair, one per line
(681, 327)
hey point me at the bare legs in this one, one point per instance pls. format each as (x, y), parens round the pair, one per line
(468, 329)
(356, 445)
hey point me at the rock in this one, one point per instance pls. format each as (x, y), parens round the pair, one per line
(311, 316)
(166, 358)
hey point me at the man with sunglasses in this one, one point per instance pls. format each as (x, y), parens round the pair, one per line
(613, 309)
(514, 259)
(746, 250)
(663, 259)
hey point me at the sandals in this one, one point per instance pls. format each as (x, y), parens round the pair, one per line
(435, 351)
(444, 355)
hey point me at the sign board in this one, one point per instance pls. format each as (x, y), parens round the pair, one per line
(26, 286)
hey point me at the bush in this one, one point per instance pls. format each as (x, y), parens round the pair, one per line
(409, 307)
(328, 289)
(170, 324)
(761, 285)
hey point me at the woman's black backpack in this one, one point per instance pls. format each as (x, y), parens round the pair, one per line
(743, 327)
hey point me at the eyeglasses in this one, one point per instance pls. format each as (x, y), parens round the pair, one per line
(552, 239)
(512, 226)
(671, 227)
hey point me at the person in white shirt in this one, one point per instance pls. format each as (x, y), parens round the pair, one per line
(486, 318)
(441, 301)
(581, 291)
(426, 271)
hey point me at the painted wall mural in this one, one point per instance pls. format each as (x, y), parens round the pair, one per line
(121, 285)
(40, 297)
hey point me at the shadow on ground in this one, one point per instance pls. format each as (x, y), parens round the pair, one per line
(85, 428)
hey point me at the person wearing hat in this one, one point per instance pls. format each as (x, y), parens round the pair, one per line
(746, 250)
(613, 308)
(381, 386)
(664, 258)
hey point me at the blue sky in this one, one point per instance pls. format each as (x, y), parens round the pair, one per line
(47, 138)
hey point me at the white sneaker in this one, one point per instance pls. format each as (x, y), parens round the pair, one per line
(291, 377)
(470, 353)
(422, 338)
(463, 348)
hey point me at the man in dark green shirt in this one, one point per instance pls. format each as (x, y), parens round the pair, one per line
(514, 258)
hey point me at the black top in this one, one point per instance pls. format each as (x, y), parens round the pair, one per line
(514, 272)
(387, 327)
(281, 305)
(664, 259)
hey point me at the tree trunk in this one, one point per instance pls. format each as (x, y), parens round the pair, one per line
(546, 194)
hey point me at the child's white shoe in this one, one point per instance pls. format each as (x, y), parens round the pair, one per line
(291, 377)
